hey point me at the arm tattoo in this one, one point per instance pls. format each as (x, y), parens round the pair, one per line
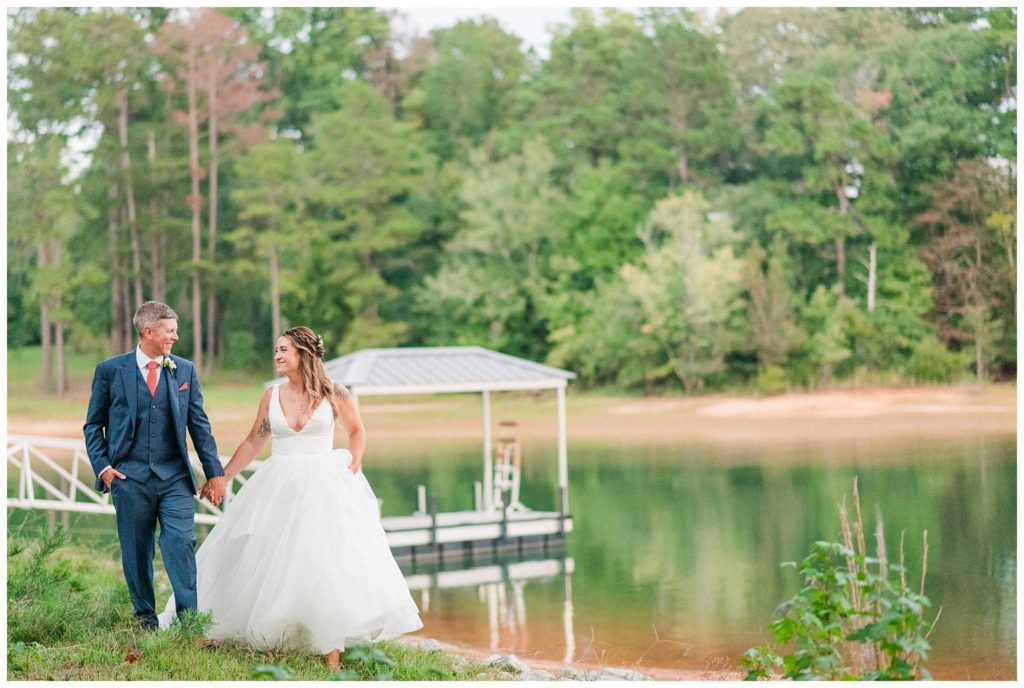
(342, 391)
(264, 428)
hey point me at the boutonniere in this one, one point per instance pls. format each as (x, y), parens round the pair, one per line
(170, 365)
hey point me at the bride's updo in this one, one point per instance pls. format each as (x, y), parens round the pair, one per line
(311, 363)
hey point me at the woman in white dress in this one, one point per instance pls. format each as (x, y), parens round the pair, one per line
(299, 560)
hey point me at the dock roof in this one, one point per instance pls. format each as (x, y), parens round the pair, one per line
(416, 370)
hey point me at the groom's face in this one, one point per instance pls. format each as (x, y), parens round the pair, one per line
(161, 337)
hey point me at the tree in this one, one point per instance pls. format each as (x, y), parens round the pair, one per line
(308, 48)
(234, 83)
(362, 171)
(833, 152)
(968, 258)
(270, 198)
(470, 86)
(582, 90)
(681, 300)
(494, 272)
(680, 82)
(181, 46)
(770, 305)
(43, 211)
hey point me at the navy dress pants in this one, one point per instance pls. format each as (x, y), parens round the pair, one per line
(140, 505)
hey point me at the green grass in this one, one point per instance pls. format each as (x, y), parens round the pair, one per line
(70, 618)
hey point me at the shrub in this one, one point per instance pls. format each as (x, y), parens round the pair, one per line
(772, 380)
(933, 362)
(44, 597)
(851, 620)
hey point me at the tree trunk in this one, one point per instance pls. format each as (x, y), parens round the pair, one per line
(275, 295)
(872, 275)
(979, 349)
(211, 284)
(116, 325)
(127, 312)
(44, 322)
(844, 209)
(62, 378)
(683, 166)
(133, 221)
(193, 150)
(158, 287)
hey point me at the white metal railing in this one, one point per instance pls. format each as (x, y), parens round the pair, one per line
(26, 453)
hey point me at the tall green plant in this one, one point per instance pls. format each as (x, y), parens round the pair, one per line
(852, 620)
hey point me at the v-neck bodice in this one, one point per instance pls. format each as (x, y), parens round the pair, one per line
(315, 437)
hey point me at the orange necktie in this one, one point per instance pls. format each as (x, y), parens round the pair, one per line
(151, 378)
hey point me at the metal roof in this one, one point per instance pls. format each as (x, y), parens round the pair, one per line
(412, 370)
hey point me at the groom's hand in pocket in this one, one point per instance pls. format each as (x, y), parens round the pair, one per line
(110, 475)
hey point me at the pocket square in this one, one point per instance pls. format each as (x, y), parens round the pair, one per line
(184, 386)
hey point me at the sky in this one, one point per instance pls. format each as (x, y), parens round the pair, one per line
(528, 23)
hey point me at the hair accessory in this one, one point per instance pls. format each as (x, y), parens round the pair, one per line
(319, 346)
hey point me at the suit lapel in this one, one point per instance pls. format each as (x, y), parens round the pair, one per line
(131, 387)
(172, 396)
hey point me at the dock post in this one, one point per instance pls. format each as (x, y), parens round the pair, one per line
(504, 523)
(421, 499)
(563, 503)
(433, 524)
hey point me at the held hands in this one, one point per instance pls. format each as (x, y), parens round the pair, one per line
(213, 490)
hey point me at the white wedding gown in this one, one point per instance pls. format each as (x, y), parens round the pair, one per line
(299, 560)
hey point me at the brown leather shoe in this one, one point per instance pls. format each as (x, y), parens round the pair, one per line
(207, 643)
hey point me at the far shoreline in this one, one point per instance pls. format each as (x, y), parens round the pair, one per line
(878, 415)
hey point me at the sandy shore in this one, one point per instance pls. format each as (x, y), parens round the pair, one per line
(812, 417)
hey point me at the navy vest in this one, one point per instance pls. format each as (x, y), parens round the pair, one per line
(155, 443)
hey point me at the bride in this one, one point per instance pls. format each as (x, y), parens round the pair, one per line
(300, 560)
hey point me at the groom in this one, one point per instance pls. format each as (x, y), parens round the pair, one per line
(141, 403)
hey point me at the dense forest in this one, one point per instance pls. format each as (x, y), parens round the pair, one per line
(669, 199)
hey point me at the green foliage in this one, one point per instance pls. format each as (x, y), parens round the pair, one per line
(457, 188)
(933, 362)
(70, 618)
(852, 620)
(43, 593)
(771, 380)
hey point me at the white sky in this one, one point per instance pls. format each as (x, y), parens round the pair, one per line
(528, 23)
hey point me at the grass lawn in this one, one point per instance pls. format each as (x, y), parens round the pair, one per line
(69, 617)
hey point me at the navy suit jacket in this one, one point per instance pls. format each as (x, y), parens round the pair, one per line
(110, 421)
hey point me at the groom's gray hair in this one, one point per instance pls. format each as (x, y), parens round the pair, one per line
(149, 313)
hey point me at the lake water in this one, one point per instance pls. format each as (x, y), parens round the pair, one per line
(675, 557)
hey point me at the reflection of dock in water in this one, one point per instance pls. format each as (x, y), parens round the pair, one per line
(501, 588)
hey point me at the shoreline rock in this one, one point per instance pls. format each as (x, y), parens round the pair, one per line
(511, 668)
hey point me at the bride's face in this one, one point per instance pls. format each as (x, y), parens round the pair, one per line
(286, 356)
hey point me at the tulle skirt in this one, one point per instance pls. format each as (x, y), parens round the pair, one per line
(299, 561)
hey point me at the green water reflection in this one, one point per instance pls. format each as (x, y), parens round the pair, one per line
(677, 550)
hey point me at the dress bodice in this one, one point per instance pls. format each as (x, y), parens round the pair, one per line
(315, 437)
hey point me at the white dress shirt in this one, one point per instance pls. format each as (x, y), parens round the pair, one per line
(142, 362)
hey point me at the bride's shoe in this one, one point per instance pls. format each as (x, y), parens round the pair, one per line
(333, 660)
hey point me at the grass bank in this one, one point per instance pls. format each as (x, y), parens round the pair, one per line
(69, 617)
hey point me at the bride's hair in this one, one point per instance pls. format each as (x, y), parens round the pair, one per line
(311, 361)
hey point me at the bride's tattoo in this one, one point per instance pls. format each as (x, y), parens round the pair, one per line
(264, 428)
(342, 391)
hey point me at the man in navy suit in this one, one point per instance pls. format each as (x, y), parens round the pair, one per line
(140, 406)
